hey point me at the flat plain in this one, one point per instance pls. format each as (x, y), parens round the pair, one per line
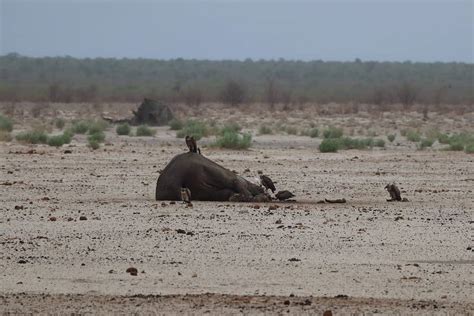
(73, 220)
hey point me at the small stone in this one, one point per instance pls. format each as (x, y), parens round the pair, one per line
(22, 261)
(133, 271)
(52, 219)
(179, 273)
(163, 204)
(307, 302)
(256, 207)
(294, 259)
(181, 231)
(327, 313)
(111, 271)
(278, 221)
(194, 275)
(67, 151)
(172, 202)
(83, 218)
(70, 219)
(287, 302)
(19, 207)
(272, 207)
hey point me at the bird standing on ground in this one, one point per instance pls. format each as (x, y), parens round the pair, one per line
(394, 192)
(266, 182)
(186, 195)
(284, 195)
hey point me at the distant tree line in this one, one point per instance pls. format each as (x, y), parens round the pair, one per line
(67, 79)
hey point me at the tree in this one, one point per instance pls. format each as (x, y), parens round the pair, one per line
(407, 94)
(233, 93)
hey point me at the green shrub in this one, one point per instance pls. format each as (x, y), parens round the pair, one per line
(80, 127)
(391, 137)
(5, 124)
(456, 146)
(379, 143)
(413, 136)
(333, 132)
(193, 128)
(264, 130)
(97, 126)
(176, 124)
(97, 137)
(329, 145)
(469, 149)
(443, 138)
(93, 144)
(314, 132)
(232, 127)
(144, 130)
(426, 142)
(5, 136)
(59, 123)
(123, 129)
(59, 140)
(32, 137)
(234, 140)
(291, 130)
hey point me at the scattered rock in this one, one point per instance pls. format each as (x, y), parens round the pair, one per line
(327, 313)
(294, 259)
(181, 231)
(67, 151)
(287, 302)
(132, 270)
(278, 221)
(19, 207)
(70, 219)
(341, 296)
(194, 275)
(52, 219)
(172, 202)
(22, 261)
(83, 218)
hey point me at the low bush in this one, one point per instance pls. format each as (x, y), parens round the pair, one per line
(333, 132)
(59, 140)
(314, 132)
(391, 137)
(97, 136)
(379, 143)
(32, 137)
(426, 142)
(456, 146)
(5, 136)
(80, 127)
(264, 130)
(231, 127)
(193, 128)
(176, 124)
(329, 145)
(59, 123)
(469, 149)
(413, 136)
(123, 129)
(93, 144)
(291, 130)
(233, 140)
(144, 130)
(443, 138)
(5, 124)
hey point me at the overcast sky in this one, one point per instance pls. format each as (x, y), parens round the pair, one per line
(381, 30)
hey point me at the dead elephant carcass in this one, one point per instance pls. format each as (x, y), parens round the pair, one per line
(206, 180)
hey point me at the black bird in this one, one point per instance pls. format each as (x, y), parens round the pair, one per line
(284, 195)
(191, 143)
(394, 192)
(267, 182)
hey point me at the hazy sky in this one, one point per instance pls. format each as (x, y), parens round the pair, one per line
(329, 30)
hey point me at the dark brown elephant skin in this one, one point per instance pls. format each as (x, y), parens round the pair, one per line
(206, 180)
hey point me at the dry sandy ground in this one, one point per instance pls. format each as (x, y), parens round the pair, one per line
(367, 255)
